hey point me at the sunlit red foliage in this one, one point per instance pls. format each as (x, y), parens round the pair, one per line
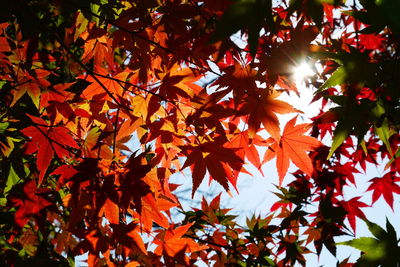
(102, 102)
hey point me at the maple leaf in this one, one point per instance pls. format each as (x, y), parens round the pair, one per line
(245, 14)
(292, 145)
(65, 172)
(92, 145)
(246, 148)
(378, 250)
(97, 48)
(57, 96)
(99, 85)
(386, 187)
(261, 109)
(111, 211)
(47, 140)
(97, 241)
(128, 235)
(30, 204)
(172, 241)
(241, 80)
(211, 156)
(30, 84)
(151, 213)
(178, 82)
(138, 188)
(213, 212)
(371, 41)
(352, 207)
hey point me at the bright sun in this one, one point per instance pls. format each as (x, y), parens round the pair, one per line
(303, 101)
(302, 71)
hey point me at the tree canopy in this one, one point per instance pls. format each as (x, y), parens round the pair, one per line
(102, 101)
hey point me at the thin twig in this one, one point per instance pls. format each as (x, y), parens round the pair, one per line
(134, 85)
(233, 249)
(90, 72)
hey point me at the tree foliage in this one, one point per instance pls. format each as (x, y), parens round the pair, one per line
(103, 100)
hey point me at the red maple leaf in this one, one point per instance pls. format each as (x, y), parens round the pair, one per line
(211, 156)
(353, 209)
(386, 187)
(47, 140)
(371, 41)
(65, 172)
(30, 204)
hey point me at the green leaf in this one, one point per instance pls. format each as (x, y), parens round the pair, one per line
(3, 127)
(375, 229)
(364, 147)
(384, 132)
(391, 232)
(2, 82)
(339, 135)
(382, 128)
(371, 246)
(337, 78)
(71, 262)
(245, 14)
(95, 10)
(12, 180)
(355, 67)
(382, 251)
(270, 261)
(379, 14)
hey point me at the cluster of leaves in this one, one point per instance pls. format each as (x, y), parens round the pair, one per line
(102, 101)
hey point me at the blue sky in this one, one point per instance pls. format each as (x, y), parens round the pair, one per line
(256, 192)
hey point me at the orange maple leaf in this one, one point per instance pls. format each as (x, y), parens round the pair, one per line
(292, 145)
(172, 241)
(98, 85)
(111, 211)
(247, 148)
(30, 84)
(178, 82)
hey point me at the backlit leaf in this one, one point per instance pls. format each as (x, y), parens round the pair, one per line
(293, 145)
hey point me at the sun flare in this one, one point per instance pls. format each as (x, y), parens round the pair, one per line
(303, 100)
(301, 72)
